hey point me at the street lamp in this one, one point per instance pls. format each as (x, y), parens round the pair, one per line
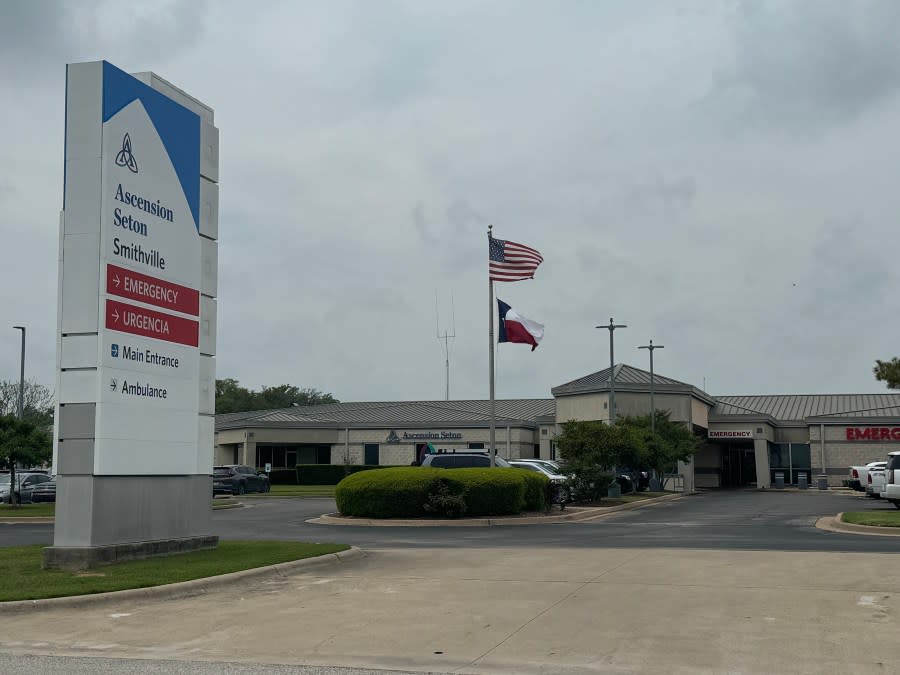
(612, 370)
(21, 415)
(651, 347)
(22, 375)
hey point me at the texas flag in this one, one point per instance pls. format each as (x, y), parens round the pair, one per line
(516, 328)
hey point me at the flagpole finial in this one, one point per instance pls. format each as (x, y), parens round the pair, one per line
(490, 228)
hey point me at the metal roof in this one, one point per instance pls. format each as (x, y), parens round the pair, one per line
(801, 407)
(394, 413)
(628, 377)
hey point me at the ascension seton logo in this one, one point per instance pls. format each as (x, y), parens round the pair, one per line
(392, 437)
(125, 156)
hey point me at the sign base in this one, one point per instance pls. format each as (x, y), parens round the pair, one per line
(85, 557)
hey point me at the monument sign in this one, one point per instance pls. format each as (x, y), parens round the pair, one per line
(133, 446)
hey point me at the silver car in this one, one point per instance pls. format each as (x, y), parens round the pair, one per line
(25, 481)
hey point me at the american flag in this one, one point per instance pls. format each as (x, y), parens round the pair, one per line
(509, 261)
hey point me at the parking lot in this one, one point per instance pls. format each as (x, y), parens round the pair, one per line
(719, 582)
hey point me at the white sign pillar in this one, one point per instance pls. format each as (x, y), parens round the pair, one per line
(133, 446)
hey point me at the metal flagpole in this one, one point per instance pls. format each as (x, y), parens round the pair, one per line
(491, 353)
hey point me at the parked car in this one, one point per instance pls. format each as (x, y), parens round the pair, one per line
(222, 481)
(240, 479)
(554, 467)
(561, 495)
(24, 482)
(43, 492)
(875, 480)
(858, 476)
(462, 460)
(892, 479)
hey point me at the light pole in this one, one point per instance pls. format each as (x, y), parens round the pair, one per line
(612, 370)
(651, 347)
(21, 415)
(21, 412)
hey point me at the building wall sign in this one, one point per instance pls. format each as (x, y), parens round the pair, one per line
(873, 433)
(744, 433)
(394, 437)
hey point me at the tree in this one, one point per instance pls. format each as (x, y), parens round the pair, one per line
(38, 401)
(232, 397)
(888, 371)
(671, 443)
(591, 449)
(22, 441)
(286, 395)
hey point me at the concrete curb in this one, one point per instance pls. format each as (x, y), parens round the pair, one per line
(836, 524)
(181, 589)
(574, 514)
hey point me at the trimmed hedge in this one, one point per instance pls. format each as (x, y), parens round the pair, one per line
(327, 474)
(283, 477)
(490, 492)
(536, 490)
(404, 492)
(400, 492)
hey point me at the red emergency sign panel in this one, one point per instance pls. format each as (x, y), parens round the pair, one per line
(144, 288)
(149, 323)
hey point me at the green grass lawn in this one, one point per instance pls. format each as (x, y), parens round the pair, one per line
(42, 510)
(877, 518)
(21, 576)
(297, 491)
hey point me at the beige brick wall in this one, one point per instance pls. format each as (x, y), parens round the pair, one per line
(521, 443)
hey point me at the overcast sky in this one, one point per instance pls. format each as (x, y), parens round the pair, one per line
(721, 177)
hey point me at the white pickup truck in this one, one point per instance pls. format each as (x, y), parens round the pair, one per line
(892, 479)
(875, 480)
(858, 476)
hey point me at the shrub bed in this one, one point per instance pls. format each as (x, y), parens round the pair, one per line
(411, 492)
(283, 477)
(400, 492)
(327, 474)
(536, 488)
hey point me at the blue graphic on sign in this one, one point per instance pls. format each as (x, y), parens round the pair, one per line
(178, 127)
(114, 349)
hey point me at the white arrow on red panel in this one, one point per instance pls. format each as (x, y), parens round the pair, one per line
(116, 315)
(116, 279)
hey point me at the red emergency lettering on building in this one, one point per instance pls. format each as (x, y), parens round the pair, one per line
(873, 433)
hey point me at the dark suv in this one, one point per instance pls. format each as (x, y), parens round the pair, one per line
(236, 479)
(462, 460)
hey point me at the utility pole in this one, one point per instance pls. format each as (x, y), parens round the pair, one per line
(651, 347)
(21, 416)
(612, 369)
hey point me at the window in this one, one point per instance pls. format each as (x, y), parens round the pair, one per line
(790, 459)
(370, 452)
(476, 446)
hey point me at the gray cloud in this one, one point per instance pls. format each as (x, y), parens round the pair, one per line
(806, 64)
(365, 147)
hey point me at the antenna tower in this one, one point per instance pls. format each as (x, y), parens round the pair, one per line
(445, 338)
